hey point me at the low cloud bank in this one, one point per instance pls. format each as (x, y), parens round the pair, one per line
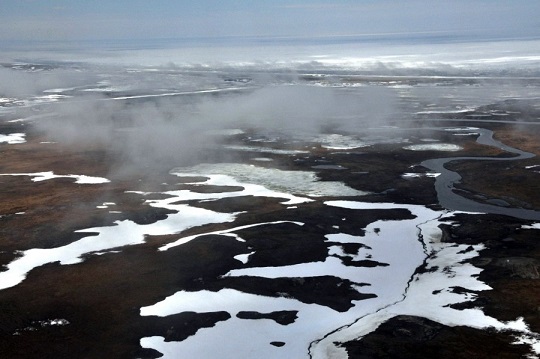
(177, 130)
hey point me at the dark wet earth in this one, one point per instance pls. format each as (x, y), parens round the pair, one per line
(101, 297)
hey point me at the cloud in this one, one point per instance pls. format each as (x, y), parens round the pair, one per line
(20, 83)
(173, 131)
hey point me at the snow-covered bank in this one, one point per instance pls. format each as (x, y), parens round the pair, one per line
(399, 246)
(445, 268)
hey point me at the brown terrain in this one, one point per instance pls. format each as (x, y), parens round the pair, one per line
(101, 296)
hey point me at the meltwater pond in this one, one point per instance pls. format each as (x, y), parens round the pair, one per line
(444, 183)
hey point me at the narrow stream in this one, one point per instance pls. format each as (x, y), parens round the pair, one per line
(444, 184)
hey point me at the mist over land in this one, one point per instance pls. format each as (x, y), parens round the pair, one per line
(238, 194)
(168, 95)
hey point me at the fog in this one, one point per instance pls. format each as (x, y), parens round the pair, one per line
(170, 116)
(29, 81)
(179, 130)
(290, 108)
(167, 115)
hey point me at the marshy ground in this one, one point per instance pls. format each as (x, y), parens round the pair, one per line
(99, 299)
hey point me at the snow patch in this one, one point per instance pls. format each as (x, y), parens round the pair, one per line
(259, 179)
(13, 138)
(449, 147)
(44, 176)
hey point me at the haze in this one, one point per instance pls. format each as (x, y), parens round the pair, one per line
(138, 19)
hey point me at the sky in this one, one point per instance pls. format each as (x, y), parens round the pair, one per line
(76, 20)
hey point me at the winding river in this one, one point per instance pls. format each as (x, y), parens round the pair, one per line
(444, 184)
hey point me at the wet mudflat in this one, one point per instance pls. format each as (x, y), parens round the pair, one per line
(315, 239)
